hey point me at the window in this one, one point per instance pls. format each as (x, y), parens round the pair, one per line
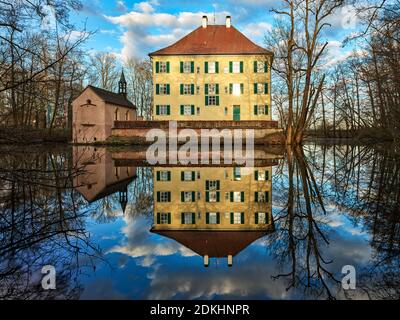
(260, 110)
(187, 67)
(164, 176)
(213, 185)
(212, 67)
(163, 67)
(237, 196)
(237, 174)
(260, 66)
(212, 100)
(188, 176)
(262, 197)
(187, 110)
(164, 196)
(236, 67)
(212, 88)
(164, 218)
(237, 218)
(162, 89)
(226, 111)
(197, 89)
(188, 196)
(236, 89)
(187, 89)
(163, 110)
(212, 218)
(261, 175)
(198, 111)
(116, 115)
(212, 196)
(261, 88)
(188, 218)
(260, 218)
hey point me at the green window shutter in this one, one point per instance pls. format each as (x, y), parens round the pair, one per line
(206, 89)
(230, 88)
(218, 218)
(169, 217)
(168, 67)
(266, 66)
(192, 67)
(216, 67)
(168, 89)
(231, 196)
(157, 110)
(242, 217)
(207, 218)
(218, 185)
(206, 100)
(182, 110)
(256, 196)
(169, 196)
(267, 175)
(182, 196)
(193, 112)
(158, 176)
(157, 89)
(207, 185)
(256, 175)
(256, 218)
(217, 100)
(181, 66)
(181, 89)
(256, 110)
(158, 196)
(157, 67)
(231, 217)
(267, 196)
(206, 67)
(217, 88)
(193, 218)
(255, 66)
(266, 110)
(218, 196)
(182, 218)
(230, 66)
(193, 175)
(182, 176)
(193, 196)
(255, 88)
(242, 196)
(242, 88)
(169, 175)
(241, 66)
(192, 89)
(158, 218)
(266, 88)
(207, 196)
(168, 110)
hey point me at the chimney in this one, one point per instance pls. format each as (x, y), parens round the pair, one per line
(228, 21)
(230, 261)
(205, 22)
(206, 261)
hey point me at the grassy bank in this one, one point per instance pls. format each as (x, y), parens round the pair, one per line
(21, 135)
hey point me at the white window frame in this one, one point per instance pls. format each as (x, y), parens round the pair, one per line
(212, 196)
(262, 218)
(262, 198)
(187, 89)
(261, 176)
(187, 110)
(187, 175)
(164, 175)
(163, 67)
(260, 88)
(237, 218)
(213, 218)
(236, 67)
(187, 217)
(163, 218)
(212, 88)
(187, 67)
(163, 110)
(212, 67)
(260, 66)
(187, 196)
(213, 185)
(164, 195)
(163, 89)
(236, 89)
(237, 196)
(212, 100)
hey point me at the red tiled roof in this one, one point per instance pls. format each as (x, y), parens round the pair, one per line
(215, 39)
(215, 244)
(112, 97)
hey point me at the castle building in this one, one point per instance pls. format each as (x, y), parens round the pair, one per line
(213, 73)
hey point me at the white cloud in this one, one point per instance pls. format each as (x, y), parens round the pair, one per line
(256, 31)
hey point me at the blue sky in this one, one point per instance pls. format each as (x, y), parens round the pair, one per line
(132, 29)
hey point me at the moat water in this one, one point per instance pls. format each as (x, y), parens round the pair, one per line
(96, 215)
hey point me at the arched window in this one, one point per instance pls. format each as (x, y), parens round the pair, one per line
(116, 115)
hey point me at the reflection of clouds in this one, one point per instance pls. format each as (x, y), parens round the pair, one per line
(140, 243)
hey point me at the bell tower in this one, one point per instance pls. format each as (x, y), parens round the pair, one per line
(122, 85)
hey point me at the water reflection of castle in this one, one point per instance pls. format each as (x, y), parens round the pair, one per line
(215, 212)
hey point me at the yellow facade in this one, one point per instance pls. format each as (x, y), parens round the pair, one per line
(244, 181)
(244, 98)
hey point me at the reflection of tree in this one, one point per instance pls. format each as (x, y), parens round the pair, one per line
(41, 224)
(300, 239)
